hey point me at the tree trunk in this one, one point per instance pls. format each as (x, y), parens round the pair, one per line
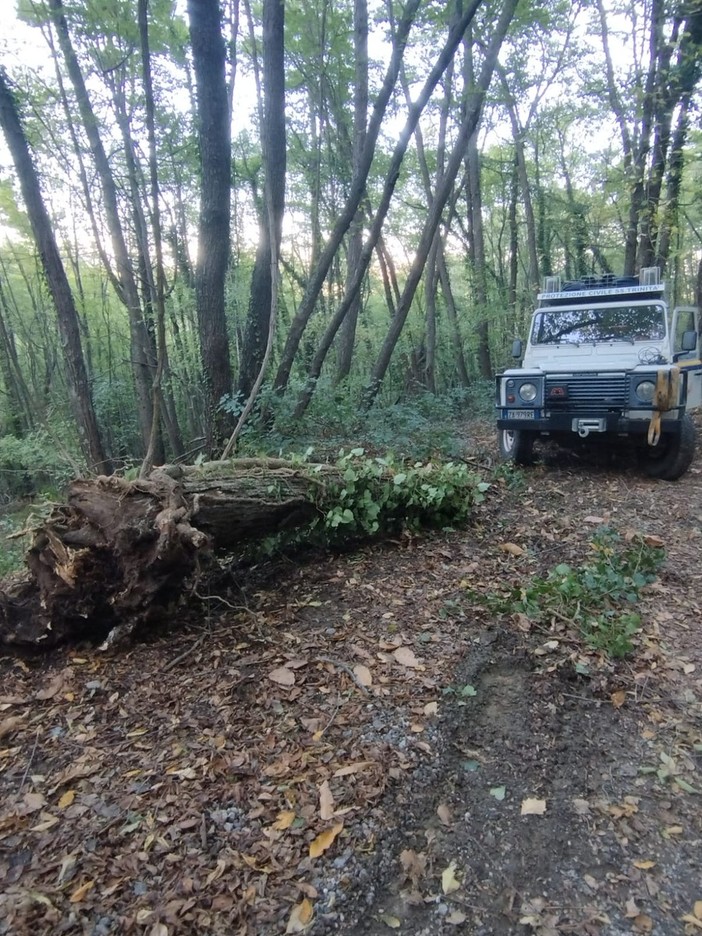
(443, 191)
(360, 117)
(18, 399)
(442, 62)
(141, 341)
(213, 233)
(356, 192)
(513, 239)
(475, 225)
(259, 316)
(119, 553)
(69, 329)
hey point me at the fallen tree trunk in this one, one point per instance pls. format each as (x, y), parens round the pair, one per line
(118, 552)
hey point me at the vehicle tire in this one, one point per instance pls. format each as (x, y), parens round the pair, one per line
(516, 446)
(672, 461)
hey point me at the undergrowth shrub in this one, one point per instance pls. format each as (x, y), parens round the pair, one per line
(39, 462)
(597, 597)
(420, 426)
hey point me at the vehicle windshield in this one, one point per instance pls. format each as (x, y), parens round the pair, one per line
(600, 323)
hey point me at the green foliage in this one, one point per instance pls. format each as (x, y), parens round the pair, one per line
(420, 427)
(461, 693)
(597, 596)
(37, 463)
(383, 495)
(11, 550)
(379, 494)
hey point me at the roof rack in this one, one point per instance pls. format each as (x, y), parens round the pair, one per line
(646, 285)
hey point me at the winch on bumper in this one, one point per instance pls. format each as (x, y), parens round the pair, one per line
(583, 426)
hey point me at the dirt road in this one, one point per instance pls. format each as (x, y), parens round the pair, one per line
(357, 744)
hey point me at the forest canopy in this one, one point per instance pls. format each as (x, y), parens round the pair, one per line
(225, 214)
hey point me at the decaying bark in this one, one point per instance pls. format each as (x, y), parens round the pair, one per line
(118, 552)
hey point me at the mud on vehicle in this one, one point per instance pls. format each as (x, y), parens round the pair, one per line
(605, 363)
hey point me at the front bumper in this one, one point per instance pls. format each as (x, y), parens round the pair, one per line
(616, 423)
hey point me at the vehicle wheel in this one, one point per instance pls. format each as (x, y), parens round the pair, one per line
(516, 446)
(672, 461)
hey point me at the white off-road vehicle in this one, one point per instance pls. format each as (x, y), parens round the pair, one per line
(606, 363)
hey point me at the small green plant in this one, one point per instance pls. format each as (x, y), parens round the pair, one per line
(461, 693)
(597, 596)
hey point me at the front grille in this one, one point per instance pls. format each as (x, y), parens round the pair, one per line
(590, 393)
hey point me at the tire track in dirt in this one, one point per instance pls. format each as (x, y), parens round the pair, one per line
(618, 847)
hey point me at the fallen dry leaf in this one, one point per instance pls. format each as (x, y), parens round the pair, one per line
(449, 881)
(326, 801)
(644, 865)
(284, 820)
(325, 840)
(33, 802)
(67, 799)
(512, 549)
(406, 657)
(692, 920)
(80, 892)
(46, 821)
(533, 807)
(444, 813)
(363, 675)
(300, 917)
(10, 725)
(282, 676)
(697, 909)
(353, 768)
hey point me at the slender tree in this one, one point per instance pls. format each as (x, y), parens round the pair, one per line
(57, 281)
(143, 358)
(467, 129)
(274, 153)
(360, 117)
(213, 231)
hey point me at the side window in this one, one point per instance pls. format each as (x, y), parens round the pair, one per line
(685, 322)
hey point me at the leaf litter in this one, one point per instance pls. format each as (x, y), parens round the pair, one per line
(301, 770)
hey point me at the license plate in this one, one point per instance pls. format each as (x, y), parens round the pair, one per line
(520, 414)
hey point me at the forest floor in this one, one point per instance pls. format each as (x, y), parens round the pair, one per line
(353, 743)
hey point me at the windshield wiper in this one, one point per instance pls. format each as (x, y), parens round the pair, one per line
(616, 338)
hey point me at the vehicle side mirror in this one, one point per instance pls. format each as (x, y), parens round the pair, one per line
(689, 340)
(518, 347)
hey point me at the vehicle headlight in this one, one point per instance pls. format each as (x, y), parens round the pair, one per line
(645, 390)
(528, 392)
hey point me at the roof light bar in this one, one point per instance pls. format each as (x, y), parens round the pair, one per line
(650, 276)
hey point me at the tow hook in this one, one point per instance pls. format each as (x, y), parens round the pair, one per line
(585, 426)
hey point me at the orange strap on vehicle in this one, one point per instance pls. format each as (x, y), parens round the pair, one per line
(665, 397)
